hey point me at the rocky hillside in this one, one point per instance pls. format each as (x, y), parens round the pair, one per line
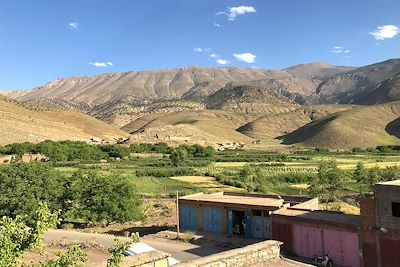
(120, 97)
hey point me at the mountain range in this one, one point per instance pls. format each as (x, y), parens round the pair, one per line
(314, 104)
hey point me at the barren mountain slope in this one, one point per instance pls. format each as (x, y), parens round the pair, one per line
(348, 86)
(142, 85)
(359, 127)
(203, 127)
(21, 124)
(275, 125)
(386, 91)
(248, 99)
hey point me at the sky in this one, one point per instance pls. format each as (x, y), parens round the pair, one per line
(43, 40)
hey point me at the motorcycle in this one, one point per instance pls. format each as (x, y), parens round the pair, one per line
(323, 261)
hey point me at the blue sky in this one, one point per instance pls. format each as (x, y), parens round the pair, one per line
(46, 39)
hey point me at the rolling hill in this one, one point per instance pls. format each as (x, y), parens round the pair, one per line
(314, 104)
(357, 127)
(22, 124)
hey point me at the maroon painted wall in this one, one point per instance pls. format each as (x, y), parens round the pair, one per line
(390, 251)
(370, 256)
(283, 232)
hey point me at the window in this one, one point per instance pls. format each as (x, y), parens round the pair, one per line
(396, 209)
(256, 212)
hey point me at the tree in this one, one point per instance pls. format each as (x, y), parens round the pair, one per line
(22, 186)
(360, 175)
(178, 156)
(328, 182)
(373, 177)
(95, 197)
(15, 237)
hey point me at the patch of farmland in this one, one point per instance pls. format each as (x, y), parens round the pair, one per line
(209, 184)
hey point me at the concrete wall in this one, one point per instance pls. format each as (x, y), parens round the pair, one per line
(246, 256)
(385, 195)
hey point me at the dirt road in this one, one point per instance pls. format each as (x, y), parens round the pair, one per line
(179, 250)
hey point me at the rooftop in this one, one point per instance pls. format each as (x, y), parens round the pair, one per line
(395, 182)
(235, 199)
(325, 216)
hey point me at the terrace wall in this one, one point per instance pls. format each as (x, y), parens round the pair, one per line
(246, 256)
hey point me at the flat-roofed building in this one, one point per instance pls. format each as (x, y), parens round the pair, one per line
(241, 214)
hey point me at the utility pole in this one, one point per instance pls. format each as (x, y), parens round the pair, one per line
(177, 214)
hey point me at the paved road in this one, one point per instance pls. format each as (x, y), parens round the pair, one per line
(178, 250)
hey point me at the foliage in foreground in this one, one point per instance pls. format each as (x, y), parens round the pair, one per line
(17, 235)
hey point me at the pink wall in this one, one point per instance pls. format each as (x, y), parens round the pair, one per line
(342, 247)
(307, 241)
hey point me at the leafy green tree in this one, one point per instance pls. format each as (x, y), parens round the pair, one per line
(360, 174)
(179, 156)
(95, 197)
(373, 177)
(116, 151)
(22, 186)
(16, 237)
(328, 182)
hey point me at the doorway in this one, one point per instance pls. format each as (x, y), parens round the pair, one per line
(238, 221)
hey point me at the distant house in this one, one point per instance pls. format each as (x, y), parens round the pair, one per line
(28, 158)
(7, 159)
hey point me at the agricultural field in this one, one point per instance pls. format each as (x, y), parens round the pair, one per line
(158, 171)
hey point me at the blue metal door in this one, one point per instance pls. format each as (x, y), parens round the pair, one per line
(247, 232)
(257, 226)
(230, 223)
(188, 217)
(267, 228)
(212, 220)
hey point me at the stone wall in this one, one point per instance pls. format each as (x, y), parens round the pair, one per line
(246, 256)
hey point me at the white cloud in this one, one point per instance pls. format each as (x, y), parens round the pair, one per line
(222, 61)
(73, 25)
(233, 12)
(385, 32)
(101, 64)
(217, 24)
(340, 50)
(198, 49)
(213, 55)
(245, 57)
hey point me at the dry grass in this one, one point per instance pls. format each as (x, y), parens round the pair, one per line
(358, 127)
(20, 124)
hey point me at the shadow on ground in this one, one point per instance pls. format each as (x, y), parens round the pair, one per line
(393, 128)
(150, 230)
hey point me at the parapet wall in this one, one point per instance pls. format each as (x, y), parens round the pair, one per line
(245, 256)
